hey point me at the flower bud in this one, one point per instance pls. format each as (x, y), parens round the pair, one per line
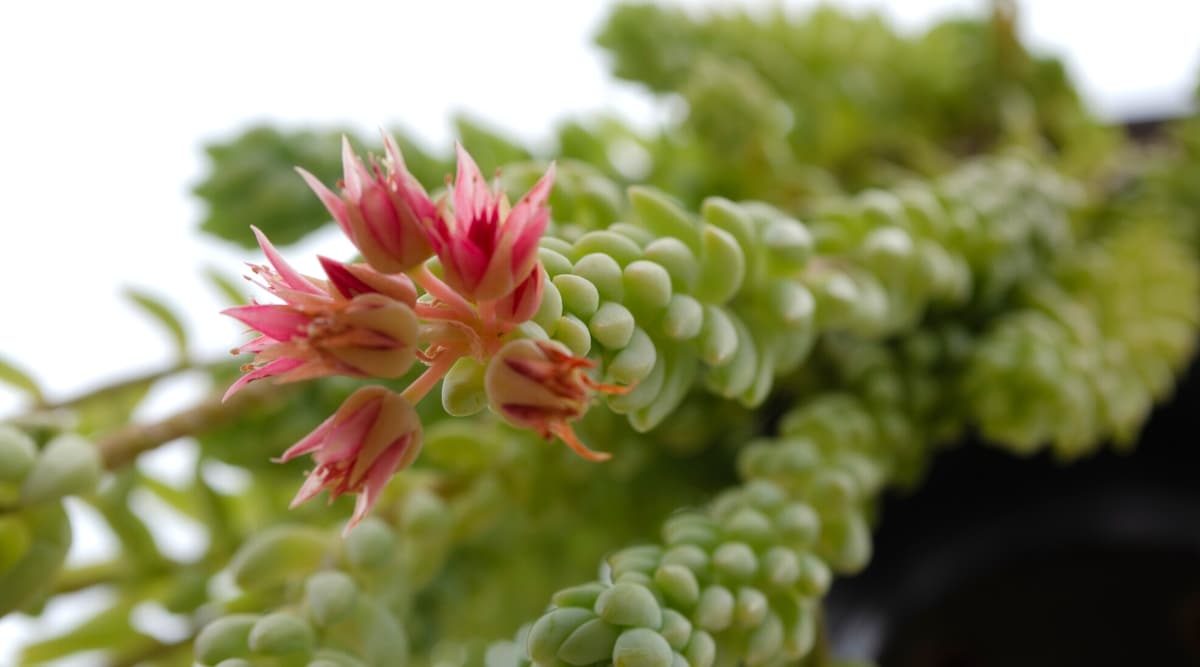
(385, 212)
(487, 248)
(372, 435)
(539, 385)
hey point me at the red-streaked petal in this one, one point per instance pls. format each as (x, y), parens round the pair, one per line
(345, 282)
(313, 484)
(279, 322)
(353, 171)
(257, 345)
(527, 221)
(309, 442)
(521, 303)
(332, 202)
(377, 477)
(274, 368)
(392, 150)
(471, 195)
(346, 438)
(291, 277)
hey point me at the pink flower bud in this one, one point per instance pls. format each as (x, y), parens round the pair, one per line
(539, 385)
(372, 435)
(384, 212)
(486, 247)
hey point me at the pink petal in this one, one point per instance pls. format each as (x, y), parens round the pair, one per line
(527, 220)
(276, 321)
(257, 345)
(354, 172)
(291, 277)
(377, 478)
(470, 190)
(274, 368)
(392, 150)
(470, 262)
(313, 484)
(383, 220)
(406, 185)
(346, 438)
(346, 283)
(332, 202)
(309, 442)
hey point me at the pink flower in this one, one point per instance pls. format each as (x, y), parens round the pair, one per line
(539, 385)
(384, 213)
(487, 248)
(357, 450)
(361, 323)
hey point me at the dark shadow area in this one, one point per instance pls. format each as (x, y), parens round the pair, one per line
(999, 560)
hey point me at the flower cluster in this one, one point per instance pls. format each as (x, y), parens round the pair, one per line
(378, 318)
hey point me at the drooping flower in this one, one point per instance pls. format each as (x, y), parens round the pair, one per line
(541, 386)
(384, 211)
(360, 323)
(486, 247)
(373, 434)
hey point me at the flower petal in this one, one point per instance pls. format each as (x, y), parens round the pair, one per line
(332, 202)
(274, 368)
(277, 321)
(291, 277)
(471, 194)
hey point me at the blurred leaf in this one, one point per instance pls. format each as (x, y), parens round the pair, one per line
(107, 629)
(19, 379)
(229, 289)
(110, 408)
(159, 310)
(253, 182)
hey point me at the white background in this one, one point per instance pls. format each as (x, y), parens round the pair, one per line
(104, 107)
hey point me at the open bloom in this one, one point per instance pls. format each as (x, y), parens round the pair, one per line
(383, 211)
(372, 435)
(488, 248)
(360, 323)
(540, 385)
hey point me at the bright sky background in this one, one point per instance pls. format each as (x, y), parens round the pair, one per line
(106, 105)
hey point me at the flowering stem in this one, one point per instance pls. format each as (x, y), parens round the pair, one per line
(423, 384)
(428, 311)
(440, 290)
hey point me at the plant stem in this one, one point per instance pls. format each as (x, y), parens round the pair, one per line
(121, 447)
(441, 291)
(423, 384)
